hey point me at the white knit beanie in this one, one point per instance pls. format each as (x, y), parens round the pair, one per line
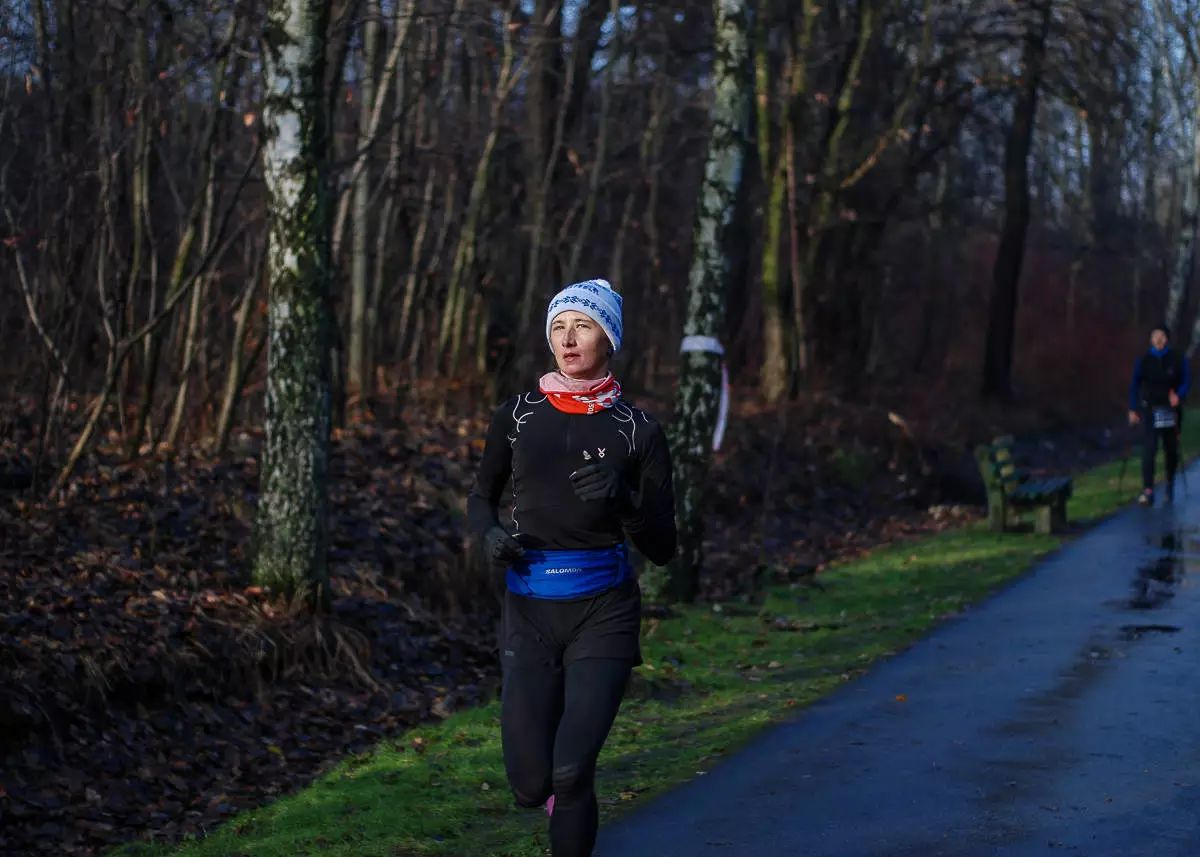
(595, 299)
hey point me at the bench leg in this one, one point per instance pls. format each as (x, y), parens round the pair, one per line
(1058, 515)
(997, 511)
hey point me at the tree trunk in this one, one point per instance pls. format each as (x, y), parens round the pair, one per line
(829, 183)
(1085, 219)
(415, 279)
(209, 194)
(357, 369)
(773, 374)
(291, 537)
(387, 222)
(239, 367)
(188, 359)
(460, 289)
(700, 372)
(778, 174)
(1149, 206)
(653, 126)
(139, 193)
(541, 203)
(1006, 275)
(589, 208)
(872, 305)
(1185, 239)
(931, 273)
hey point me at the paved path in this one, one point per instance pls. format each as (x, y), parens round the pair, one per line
(1049, 720)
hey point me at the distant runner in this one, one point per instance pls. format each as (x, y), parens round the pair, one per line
(587, 470)
(1161, 380)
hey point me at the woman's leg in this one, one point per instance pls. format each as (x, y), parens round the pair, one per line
(530, 708)
(593, 692)
(531, 697)
(1170, 443)
(1149, 450)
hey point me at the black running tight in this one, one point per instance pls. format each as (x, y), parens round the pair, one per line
(1170, 444)
(554, 722)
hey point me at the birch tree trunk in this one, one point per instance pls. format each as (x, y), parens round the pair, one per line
(700, 372)
(1006, 275)
(292, 529)
(1183, 203)
(1185, 236)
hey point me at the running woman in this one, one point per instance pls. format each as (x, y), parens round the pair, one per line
(587, 471)
(1161, 380)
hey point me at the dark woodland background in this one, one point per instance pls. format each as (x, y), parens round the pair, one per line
(913, 168)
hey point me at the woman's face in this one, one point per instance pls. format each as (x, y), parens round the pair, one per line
(580, 346)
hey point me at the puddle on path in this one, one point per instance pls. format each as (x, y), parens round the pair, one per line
(1154, 583)
(1136, 632)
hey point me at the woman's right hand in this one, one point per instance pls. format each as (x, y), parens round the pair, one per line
(500, 547)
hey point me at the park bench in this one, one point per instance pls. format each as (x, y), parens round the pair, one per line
(1011, 490)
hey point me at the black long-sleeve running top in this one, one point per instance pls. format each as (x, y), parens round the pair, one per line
(539, 447)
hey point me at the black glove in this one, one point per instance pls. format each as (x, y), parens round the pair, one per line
(602, 482)
(500, 548)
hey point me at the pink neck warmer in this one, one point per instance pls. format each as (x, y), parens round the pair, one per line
(557, 382)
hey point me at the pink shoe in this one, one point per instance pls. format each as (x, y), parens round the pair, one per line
(550, 806)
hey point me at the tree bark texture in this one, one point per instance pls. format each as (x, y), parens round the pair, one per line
(292, 527)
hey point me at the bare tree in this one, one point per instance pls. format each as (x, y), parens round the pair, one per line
(1006, 276)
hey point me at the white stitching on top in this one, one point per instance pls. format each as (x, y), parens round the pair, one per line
(519, 421)
(622, 413)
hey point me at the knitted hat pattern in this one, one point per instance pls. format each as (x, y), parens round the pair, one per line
(597, 300)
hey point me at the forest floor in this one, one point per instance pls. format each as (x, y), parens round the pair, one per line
(151, 693)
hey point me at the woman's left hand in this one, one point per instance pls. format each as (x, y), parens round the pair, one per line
(600, 482)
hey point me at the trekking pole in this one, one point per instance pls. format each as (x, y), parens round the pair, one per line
(1125, 460)
(1181, 463)
(1179, 450)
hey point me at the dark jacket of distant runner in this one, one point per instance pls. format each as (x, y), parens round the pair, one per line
(1155, 375)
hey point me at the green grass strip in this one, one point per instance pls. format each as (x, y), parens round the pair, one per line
(711, 681)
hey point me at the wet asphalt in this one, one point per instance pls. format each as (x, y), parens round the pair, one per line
(1061, 716)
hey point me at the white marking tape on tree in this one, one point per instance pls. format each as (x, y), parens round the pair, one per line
(711, 345)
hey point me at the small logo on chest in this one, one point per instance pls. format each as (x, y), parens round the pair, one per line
(587, 456)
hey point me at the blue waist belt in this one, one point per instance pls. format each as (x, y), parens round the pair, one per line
(562, 575)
